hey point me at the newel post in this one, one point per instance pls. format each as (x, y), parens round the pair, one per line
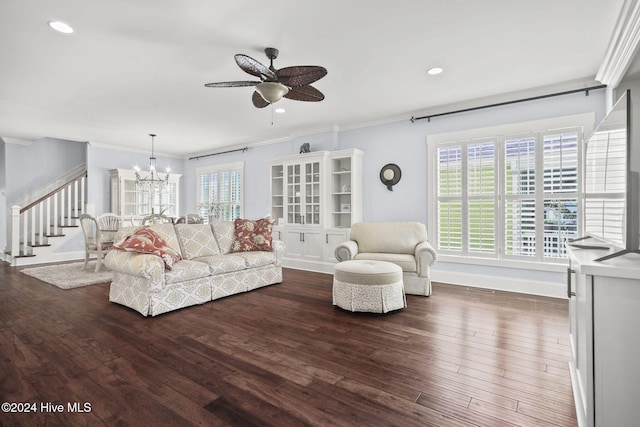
(15, 231)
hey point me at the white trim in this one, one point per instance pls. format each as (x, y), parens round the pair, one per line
(532, 287)
(17, 141)
(623, 45)
(555, 267)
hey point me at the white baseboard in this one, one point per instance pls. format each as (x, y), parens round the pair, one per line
(50, 258)
(316, 266)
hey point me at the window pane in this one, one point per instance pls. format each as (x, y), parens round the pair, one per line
(520, 227)
(560, 163)
(220, 195)
(450, 225)
(560, 224)
(520, 164)
(481, 169)
(450, 171)
(482, 230)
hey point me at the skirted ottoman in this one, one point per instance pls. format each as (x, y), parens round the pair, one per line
(369, 286)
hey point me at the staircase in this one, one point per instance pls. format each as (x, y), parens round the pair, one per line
(37, 230)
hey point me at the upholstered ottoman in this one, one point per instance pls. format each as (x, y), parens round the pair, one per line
(370, 286)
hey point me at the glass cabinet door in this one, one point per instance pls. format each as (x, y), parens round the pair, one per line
(312, 193)
(294, 189)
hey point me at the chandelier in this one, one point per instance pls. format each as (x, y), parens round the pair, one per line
(152, 180)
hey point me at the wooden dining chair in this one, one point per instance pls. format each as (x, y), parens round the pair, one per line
(109, 223)
(94, 242)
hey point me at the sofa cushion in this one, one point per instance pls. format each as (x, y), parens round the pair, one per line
(252, 235)
(147, 241)
(168, 234)
(224, 233)
(196, 240)
(405, 261)
(224, 263)
(259, 258)
(187, 270)
(388, 237)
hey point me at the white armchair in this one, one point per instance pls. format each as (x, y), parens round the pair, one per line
(402, 243)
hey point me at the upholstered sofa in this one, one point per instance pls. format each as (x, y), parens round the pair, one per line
(402, 243)
(208, 268)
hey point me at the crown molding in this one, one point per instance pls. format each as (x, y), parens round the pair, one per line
(623, 45)
(16, 141)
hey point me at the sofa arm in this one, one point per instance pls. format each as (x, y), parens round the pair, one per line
(346, 251)
(146, 266)
(278, 249)
(426, 256)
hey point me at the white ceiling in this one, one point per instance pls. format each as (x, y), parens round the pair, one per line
(134, 67)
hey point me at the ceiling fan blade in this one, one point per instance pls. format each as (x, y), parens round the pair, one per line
(232, 84)
(301, 75)
(255, 68)
(258, 100)
(305, 93)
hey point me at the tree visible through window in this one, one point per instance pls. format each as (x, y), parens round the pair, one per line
(508, 197)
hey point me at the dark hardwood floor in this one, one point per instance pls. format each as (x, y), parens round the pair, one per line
(283, 356)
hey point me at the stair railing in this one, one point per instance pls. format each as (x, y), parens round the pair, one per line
(33, 224)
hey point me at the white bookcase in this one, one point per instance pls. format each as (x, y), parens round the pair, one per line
(315, 198)
(128, 199)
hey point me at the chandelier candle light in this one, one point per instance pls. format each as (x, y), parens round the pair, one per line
(152, 181)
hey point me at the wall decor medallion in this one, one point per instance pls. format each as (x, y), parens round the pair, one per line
(390, 175)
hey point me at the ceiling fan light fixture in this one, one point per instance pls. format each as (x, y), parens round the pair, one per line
(272, 91)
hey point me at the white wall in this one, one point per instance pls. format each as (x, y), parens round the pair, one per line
(41, 162)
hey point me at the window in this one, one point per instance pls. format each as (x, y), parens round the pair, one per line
(510, 196)
(220, 191)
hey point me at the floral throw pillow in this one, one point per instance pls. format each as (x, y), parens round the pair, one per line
(252, 235)
(147, 241)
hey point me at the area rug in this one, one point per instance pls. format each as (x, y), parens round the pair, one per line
(68, 276)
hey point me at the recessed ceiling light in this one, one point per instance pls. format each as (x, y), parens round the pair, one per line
(280, 110)
(61, 27)
(433, 71)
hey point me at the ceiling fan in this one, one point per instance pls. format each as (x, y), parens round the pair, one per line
(290, 82)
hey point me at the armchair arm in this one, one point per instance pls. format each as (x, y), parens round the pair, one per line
(346, 251)
(426, 256)
(278, 249)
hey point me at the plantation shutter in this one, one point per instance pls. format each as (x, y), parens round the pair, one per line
(449, 176)
(520, 196)
(481, 199)
(220, 193)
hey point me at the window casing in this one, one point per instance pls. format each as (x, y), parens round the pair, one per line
(220, 191)
(511, 196)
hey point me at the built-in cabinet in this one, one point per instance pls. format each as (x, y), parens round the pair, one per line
(128, 198)
(315, 198)
(604, 310)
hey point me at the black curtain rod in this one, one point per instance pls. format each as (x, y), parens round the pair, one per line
(222, 152)
(500, 104)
